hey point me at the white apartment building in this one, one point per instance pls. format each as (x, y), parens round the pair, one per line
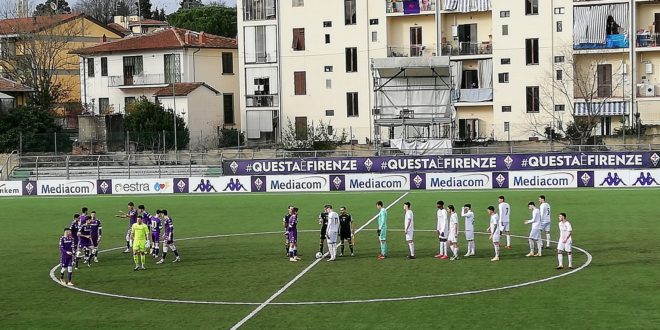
(201, 66)
(513, 63)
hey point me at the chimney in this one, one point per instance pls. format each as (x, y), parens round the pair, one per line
(201, 37)
(104, 39)
(187, 37)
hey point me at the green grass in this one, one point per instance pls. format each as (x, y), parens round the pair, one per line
(618, 290)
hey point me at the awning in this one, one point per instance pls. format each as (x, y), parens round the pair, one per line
(5, 96)
(601, 108)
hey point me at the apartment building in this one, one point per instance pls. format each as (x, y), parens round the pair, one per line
(520, 68)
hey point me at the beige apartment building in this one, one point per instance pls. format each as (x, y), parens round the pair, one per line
(519, 68)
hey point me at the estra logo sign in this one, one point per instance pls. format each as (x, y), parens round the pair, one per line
(142, 186)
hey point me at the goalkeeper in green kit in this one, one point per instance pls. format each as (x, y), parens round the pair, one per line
(382, 229)
(140, 237)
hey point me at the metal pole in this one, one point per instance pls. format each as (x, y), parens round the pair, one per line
(128, 141)
(55, 143)
(98, 167)
(36, 166)
(20, 143)
(129, 166)
(67, 167)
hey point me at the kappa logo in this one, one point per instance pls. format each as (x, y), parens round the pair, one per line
(612, 180)
(233, 185)
(205, 186)
(645, 180)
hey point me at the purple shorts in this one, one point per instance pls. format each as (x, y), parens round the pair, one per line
(155, 238)
(169, 238)
(95, 240)
(66, 260)
(75, 241)
(293, 236)
(85, 242)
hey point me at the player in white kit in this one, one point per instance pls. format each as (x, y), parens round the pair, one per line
(453, 232)
(332, 232)
(409, 228)
(535, 232)
(565, 241)
(504, 213)
(443, 229)
(545, 219)
(467, 213)
(494, 230)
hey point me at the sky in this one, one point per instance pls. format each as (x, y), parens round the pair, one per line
(172, 5)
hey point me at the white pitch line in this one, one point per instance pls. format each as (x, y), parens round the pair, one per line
(301, 274)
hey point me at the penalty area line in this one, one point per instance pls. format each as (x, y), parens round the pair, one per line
(302, 273)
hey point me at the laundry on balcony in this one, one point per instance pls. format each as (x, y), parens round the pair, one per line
(601, 26)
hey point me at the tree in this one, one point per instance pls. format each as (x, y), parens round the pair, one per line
(145, 8)
(190, 4)
(122, 9)
(215, 20)
(158, 14)
(102, 10)
(35, 126)
(313, 138)
(46, 9)
(582, 96)
(146, 123)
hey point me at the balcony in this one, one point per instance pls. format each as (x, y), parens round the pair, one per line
(262, 101)
(137, 81)
(396, 7)
(467, 49)
(472, 96)
(411, 51)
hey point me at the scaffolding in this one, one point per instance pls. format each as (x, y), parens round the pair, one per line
(412, 98)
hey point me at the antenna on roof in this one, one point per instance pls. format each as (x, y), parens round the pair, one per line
(53, 6)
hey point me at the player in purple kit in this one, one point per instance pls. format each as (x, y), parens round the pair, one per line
(292, 230)
(155, 224)
(146, 216)
(66, 256)
(83, 215)
(96, 232)
(168, 238)
(74, 230)
(132, 219)
(85, 245)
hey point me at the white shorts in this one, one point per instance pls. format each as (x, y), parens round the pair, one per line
(452, 238)
(535, 234)
(409, 235)
(545, 226)
(128, 235)
(469, 235)
(332, 236)
(565, 246)
(506, 226)
(496, 236)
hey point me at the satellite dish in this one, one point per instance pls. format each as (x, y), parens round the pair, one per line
(53, 6)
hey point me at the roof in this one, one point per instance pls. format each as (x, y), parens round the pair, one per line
(168, 38)
(7, 85)
(119, 28)
(33, 24)
(147, 21)
(182, 89)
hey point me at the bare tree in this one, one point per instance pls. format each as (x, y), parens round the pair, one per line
(9, 9)
(573, 100)
(40, 59)
(103, 10)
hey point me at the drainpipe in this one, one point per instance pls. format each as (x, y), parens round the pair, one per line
(194, 69)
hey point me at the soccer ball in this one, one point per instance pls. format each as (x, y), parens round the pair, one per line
(319, 255)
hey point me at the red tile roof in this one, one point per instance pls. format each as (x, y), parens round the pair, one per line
(119, 28)
(169, 38)
(33, 24)
(182, 89)
(7, 85)
(147, 21)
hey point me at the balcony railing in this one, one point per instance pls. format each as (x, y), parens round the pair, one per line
(467, 48)
(262, 101)
(396, 6)
(410, 51)
(138, 80)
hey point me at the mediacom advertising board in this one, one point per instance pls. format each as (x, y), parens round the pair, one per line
(377, 182)
(458, 181)
(292, 183)
(543, 179)
(66, 187)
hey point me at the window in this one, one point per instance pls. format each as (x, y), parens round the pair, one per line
(300, 82)
(260, 44)
(104, 105)
(560, 26)
(505, 61)
(327, 68)
(254, 10)
(559, 59)
(507, 126)
(503, 77)
(470, 79)
(374, 36)
(132, 67)
(531, 7)
(352, 104)
(329, 113)
(329, 129)
(227, 63)
(172, 68)
(301, 128)
(90, 67)
(560, 107)
(532, 51)
(559, 10)
(533, 99)
(505, 30)
(298, 3)
(506, 108)
(351, 59)
(328, 83)
(128, 100)
(559, 74)
(505, 13)
(327, 23)
(104, 66)
(604, 72)
(228, 108)
(298, 39)
(373, 21)
(327, 38)
(350, 12)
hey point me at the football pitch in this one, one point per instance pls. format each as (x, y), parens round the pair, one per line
(235, 272)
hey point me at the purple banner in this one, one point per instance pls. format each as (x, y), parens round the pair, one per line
(411, 6)
(453, 163)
